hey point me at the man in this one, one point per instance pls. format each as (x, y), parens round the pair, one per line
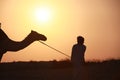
(77, 57)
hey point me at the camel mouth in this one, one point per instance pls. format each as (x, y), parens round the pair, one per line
(44, 38)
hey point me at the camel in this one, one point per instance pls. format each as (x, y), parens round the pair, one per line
(6, 44)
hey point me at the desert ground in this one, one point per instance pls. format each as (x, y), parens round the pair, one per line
(59, 70)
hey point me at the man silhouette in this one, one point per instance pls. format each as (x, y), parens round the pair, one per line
(77, 57)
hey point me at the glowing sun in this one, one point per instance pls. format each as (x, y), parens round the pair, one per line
(42, 14)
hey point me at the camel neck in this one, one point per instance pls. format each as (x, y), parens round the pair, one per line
(11, 45)
(28, 40)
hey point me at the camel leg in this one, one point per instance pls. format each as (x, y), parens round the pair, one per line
(1, 54)
(1, 57)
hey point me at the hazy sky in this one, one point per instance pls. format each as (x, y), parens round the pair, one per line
(97, 20)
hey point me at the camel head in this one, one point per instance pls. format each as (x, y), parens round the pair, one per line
(37, 36)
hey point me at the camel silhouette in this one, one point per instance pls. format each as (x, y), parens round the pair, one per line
(6, 44)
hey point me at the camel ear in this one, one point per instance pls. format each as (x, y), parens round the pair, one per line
(32, 31)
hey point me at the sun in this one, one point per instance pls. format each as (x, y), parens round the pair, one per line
(42, 14)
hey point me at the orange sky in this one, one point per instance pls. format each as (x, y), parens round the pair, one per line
(97, 20)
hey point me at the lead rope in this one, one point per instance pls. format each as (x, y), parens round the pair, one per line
(54, 49)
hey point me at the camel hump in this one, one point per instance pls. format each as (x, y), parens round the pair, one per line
(38, 36)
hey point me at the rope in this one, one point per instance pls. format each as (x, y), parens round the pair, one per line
(54, 49)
